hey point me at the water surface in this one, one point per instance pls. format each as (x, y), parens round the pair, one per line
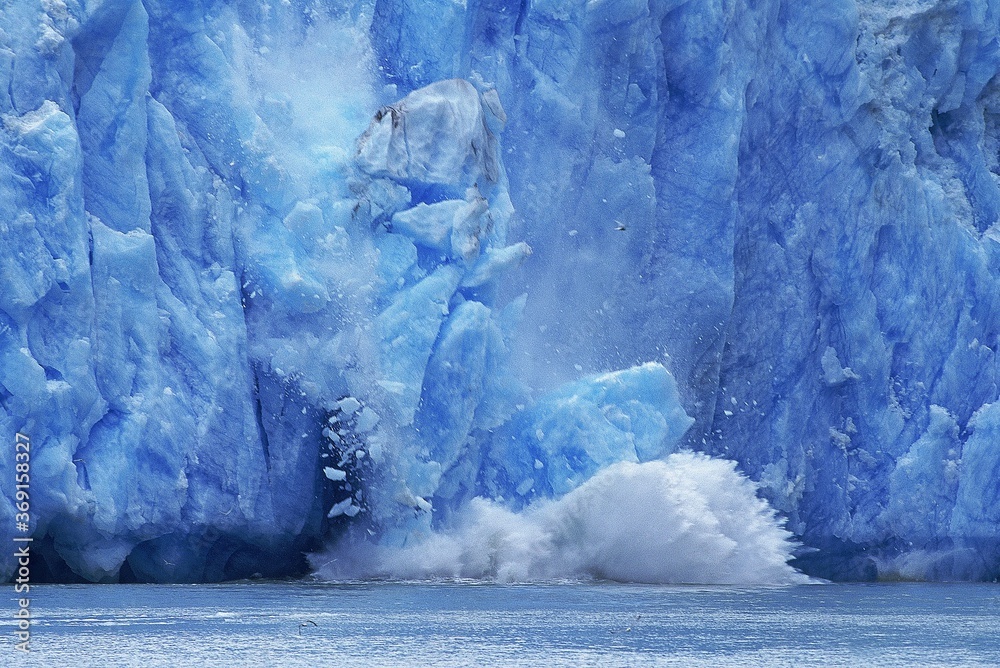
(467, 624)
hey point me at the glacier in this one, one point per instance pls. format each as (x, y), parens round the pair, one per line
(394, 283)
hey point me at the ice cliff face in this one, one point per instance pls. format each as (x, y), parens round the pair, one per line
(278, 273)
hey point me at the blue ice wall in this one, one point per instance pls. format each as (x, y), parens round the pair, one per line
(274, 273)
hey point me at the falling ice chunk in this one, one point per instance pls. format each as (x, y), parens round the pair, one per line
(404, 141)
(835, 374)
(619, 133)
(367, 420)
(494, 262)
(334, 474)
(342, 508)
(348, 405)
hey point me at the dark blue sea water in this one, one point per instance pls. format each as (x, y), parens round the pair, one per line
(469, 624)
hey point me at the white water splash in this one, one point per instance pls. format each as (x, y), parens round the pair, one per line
(688, 519)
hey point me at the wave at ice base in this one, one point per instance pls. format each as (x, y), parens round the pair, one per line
(689, 519)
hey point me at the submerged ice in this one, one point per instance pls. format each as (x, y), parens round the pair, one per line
(457, 288)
